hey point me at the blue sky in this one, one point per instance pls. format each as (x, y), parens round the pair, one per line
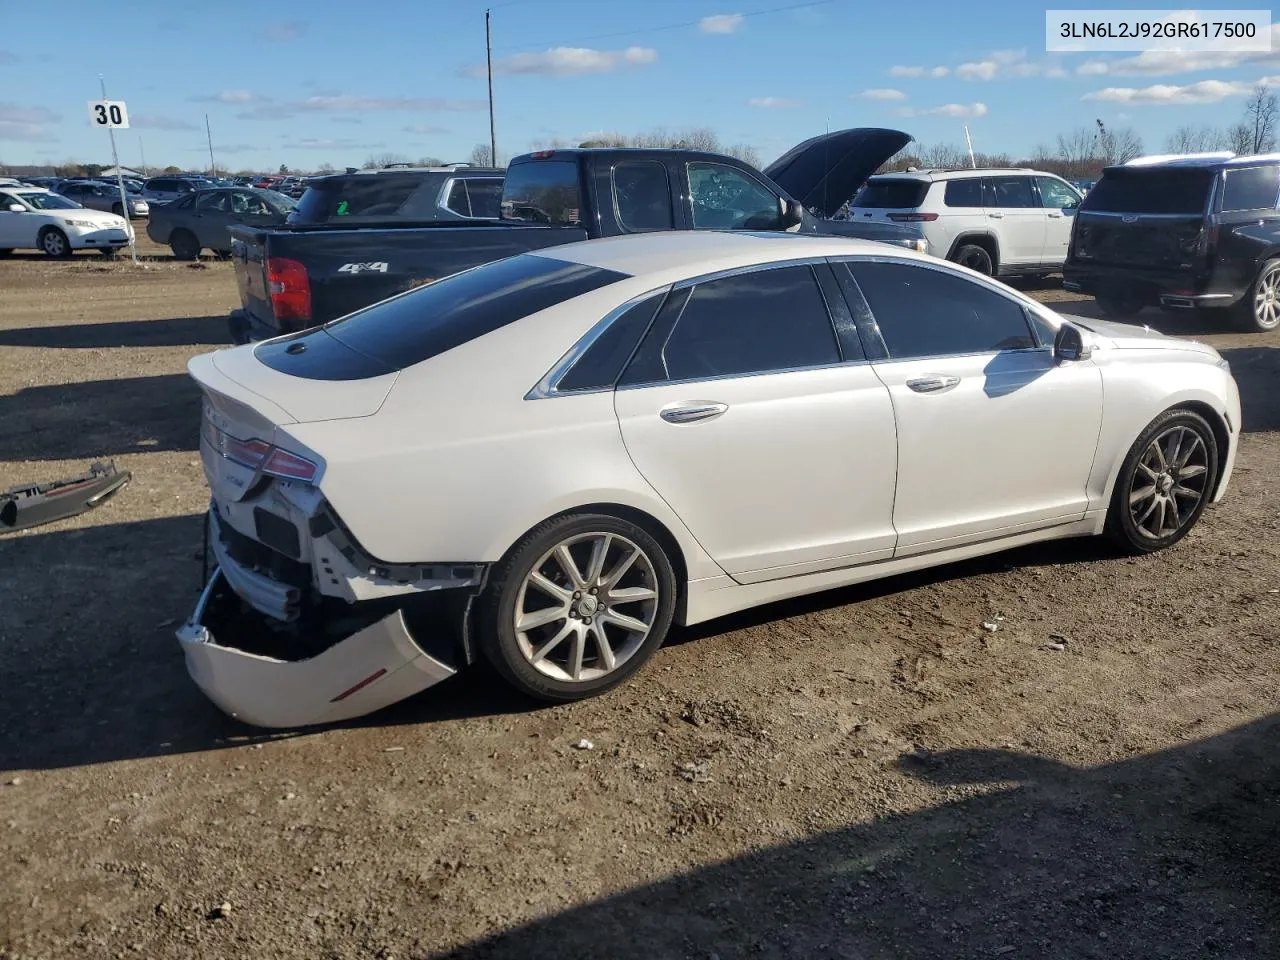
(336, 82)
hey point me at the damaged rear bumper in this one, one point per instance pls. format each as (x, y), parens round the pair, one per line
(375, 666)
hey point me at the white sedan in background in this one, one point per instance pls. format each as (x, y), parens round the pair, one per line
(32, 218)
(549, 460)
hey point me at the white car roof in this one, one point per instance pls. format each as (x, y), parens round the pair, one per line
(692, 253)
(963, 174)
(25, 189)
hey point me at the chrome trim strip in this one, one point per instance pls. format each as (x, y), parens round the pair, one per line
(741, 376)
(750, 268)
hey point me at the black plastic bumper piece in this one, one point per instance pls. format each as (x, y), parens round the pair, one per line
(33, 504)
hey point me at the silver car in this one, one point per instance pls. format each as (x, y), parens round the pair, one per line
(101, 196)
(160, 190)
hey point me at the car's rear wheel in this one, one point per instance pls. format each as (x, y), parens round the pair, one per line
(1259, 310)
(108, 252)
(975, 258)
(577, 606)
(184, 245)
(1118, 307)
(54, 243)
(1165, 482)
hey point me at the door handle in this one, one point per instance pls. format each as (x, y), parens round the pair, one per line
(691, 411)
(996, 216)
(932, 384)
(1056, 214)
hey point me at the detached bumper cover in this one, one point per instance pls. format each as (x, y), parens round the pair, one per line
(33, 504)
(371, 669)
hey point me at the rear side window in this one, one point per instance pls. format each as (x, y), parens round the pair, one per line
(357, 198)
(433, 319)
(1013, 192)
(543, 191)
(479, 198)
(881, 194)
(964, 193)
(928, 313)
(603, 361)
(759, 322)
(1152, 190)
(1251, 188)
(642, 196)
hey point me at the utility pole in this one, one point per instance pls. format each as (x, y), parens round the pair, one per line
(213, 168)
(973, 163)
(124, 196)
(488, 57)
(142, 153)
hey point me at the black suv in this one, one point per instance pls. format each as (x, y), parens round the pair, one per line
(420, 194)
(1184, 233)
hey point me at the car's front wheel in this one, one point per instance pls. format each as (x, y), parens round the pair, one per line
(1165, 482)
(54, 243)
(577, 606)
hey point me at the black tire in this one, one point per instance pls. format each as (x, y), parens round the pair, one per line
(1259, 310)
(108, 252)
(1118, 307)
(54, 243)
(496, 611)
(184, 245)
(1125, 523)
(975, 258)
(6, 251)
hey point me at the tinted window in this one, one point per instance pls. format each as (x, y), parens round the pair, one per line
(408, 329)
(963, 193)
(642, 196)
(1252, 188)
(543, 191)
(601, 364)
(159, 185)
(361, 197)
(1013, 192)
(1056, 195)
(725, 198)
(216, 202)
(457, 200)
(1150, 190)
(183, 204)
(752, 323)
(928, 313)
(891, 193)
(485, 195)
(249, 204)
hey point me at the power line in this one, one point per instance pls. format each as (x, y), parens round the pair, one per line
(671, 26)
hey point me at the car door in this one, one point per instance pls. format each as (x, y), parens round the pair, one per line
(1060, 202)
(252, 210)
(1019, 220)
(15, 229)
(212, 218)
(769, 436)
(722, 197)
(994, 437)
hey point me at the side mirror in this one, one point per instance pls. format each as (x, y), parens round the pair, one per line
(1069, 345)
(792, 213)
(17, 208)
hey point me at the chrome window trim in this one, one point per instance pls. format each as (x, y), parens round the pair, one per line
(442, 198)
(742, 376)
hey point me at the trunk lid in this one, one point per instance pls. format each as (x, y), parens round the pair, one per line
(825, 171)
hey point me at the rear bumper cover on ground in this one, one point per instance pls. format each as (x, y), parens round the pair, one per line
(373, 668)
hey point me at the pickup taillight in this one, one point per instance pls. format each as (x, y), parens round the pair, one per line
(289, 288)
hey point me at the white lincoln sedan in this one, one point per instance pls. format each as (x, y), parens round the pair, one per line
(547, 461)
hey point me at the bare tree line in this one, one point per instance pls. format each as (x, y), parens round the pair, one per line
(1254, 133)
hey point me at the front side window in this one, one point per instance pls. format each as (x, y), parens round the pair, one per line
(215, 202)
(642, 196)
(1056, 195)
(543, 191)
(1013, 192)
(1251, 188)
(758, 322)
(725, 198)
(923, 312)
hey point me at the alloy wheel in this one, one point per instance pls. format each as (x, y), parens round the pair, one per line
(1266, 301)
(1169, 481)
(54, 244)
(586, 607)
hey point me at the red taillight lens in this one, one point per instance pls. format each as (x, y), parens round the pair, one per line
(290, 289)
(258, 455)
(913, 217)
(282, 463)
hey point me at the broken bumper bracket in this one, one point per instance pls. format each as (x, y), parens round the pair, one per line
(33, 504)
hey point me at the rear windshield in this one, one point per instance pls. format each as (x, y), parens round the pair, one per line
(543, 191)
(891, 193)
(426, 322)
(1138, 190)
(364, 198)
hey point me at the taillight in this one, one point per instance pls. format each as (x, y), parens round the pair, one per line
(289, 288)
(260, 456)
(913, 217)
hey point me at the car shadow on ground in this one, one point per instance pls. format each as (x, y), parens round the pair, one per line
(178, 332)
(1168, 855)
(100, 418)
(1257, 373)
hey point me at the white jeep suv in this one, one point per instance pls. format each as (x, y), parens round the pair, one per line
(998, 222)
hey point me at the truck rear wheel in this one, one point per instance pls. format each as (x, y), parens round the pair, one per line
(1259, 309)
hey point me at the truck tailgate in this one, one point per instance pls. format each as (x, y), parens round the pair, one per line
(248, 256)
(1161, 242)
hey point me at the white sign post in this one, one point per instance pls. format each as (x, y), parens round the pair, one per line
(114, 115)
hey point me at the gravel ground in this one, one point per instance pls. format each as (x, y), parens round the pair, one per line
(867, 773)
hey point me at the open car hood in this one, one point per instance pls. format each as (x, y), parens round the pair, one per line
(825, 171)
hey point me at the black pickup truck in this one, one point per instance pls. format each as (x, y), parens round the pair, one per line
(1185, 233)
(307, 273)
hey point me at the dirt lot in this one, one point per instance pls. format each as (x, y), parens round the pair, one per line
(866, 773)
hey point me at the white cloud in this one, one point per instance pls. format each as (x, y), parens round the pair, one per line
(426, 128)
(906, 71)
(720, 23)
(773, 102)
(880, 93)
(1166, 63)
(939, 71)
(285, 31)
(232, 96)
(1166, 94)
(566, 62)
(959, 110)
(28, 124)
(154, 121)
(982, 70)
